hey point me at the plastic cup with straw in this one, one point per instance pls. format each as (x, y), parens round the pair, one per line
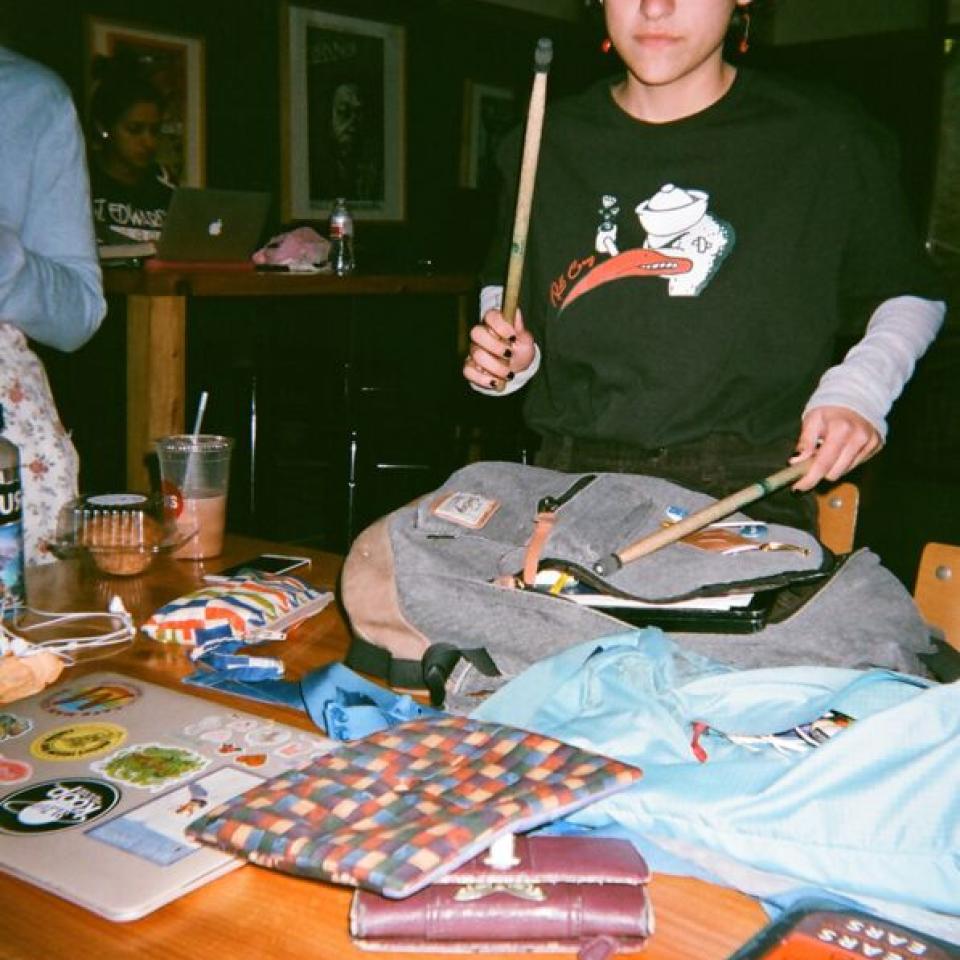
(194, 475)
(197, 424)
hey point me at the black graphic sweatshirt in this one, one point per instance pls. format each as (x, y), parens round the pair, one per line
(689, 278)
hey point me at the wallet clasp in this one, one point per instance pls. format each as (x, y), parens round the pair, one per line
(522, 889)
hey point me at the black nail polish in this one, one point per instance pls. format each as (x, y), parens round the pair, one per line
(493, 383)
(513, 338)
(511, 375)
(507, 354)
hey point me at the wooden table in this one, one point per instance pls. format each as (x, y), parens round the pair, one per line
(157, 326)
(254, 913)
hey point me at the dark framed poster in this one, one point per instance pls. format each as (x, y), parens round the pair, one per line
(944, 232)
(489, 112)
(344, 129)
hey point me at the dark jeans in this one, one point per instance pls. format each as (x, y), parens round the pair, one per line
(718, 465)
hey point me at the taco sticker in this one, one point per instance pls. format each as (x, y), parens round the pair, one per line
(151, 766)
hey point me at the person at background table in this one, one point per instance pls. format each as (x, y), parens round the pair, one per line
(698, 231)
(131, 191)
(50, 282)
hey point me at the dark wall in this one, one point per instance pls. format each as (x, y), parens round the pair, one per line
(448, 42)
(862, 68)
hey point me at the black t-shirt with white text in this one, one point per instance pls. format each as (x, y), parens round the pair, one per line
(129, 214)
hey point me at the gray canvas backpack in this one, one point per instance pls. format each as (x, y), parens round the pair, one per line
(438, 585)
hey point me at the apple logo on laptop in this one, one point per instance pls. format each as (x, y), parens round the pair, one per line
(216, 227)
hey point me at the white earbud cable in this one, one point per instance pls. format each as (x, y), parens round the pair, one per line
(121, 633)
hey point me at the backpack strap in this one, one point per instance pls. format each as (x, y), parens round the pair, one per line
(429, 673)
(542, 525)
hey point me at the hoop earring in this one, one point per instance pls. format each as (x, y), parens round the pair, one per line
(744, 45)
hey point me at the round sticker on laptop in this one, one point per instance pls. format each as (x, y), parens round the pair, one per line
(56, 805)
(151, 766)
(14, 771)
(267, 736)
(78, 741)
(13, 726)
(91, 699)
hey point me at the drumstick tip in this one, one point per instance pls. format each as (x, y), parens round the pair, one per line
(543, 54)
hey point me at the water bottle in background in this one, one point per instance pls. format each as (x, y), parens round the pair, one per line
(12, 590)
(341, 239)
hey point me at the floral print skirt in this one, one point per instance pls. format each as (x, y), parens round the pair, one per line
(49, 465)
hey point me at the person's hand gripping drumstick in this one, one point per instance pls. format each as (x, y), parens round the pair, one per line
(498, 350)
(501, 346)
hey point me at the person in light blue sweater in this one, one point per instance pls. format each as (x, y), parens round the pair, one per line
(50, 283)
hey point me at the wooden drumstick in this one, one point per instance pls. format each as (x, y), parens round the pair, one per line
(528, 175)
(697, 521)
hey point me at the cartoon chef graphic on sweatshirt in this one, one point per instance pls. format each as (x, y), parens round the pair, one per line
(685, 244)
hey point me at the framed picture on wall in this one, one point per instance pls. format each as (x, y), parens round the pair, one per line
(488, 113)
(175, 65)
(344, 125)
(944, 230)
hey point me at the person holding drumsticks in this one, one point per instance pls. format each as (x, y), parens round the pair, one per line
(699, 233)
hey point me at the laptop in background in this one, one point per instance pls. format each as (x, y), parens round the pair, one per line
(207, 225)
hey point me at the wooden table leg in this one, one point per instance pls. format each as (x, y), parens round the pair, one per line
(156, 377)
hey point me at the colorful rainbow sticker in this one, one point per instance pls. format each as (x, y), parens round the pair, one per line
(91, 700)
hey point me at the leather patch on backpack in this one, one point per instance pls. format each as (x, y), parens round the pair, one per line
(471, 510)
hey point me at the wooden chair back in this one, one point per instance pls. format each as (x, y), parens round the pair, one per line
(937, 590)
(837, 516)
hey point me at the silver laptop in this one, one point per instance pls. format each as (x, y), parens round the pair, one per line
(99, 776)
(212, 225)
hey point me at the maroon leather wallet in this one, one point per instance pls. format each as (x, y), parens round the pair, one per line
(566, 894)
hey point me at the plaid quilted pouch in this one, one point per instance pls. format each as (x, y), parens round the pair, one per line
(249, 608)
(399, 809)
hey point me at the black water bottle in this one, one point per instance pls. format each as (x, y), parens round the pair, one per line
(12, 590)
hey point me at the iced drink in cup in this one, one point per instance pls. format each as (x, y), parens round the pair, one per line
(194, 476)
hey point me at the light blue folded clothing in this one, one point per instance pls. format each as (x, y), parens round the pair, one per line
(872, 812)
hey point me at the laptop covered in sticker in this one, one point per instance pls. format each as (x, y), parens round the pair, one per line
(100, 774)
